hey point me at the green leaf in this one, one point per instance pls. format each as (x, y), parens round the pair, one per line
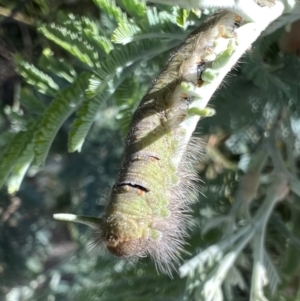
(97, 94)
(272, 273)
(60, 109)
(127, 100)
(30, 102)
(90, 30)
(158, 20)
(11, 154)
(99, 42)
(181, 16)
(72, 42)
(127, 55)
(84, 119)
(292, 259)
(125, 33)
(153, 27)
(57, 66)
(24, 159)
(35, 77)
(135, 8)
(111, 9)
(262, 76)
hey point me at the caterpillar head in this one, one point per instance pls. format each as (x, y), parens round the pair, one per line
(123, 237)
(131, 228)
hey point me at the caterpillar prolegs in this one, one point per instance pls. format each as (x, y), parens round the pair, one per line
(147, 208)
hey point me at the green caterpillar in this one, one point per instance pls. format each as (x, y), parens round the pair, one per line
(147, 209)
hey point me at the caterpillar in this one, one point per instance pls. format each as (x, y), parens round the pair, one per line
(147, 211)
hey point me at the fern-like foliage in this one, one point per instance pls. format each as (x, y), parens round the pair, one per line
(134, 8)
(24, 159)
(57, 67)
(154, 25)
(31, 103)
(110, 8)
(125, 33)
(145, 32)
(134, 23)
(60, 109)
(32, 143)
(11, 154)
(92, 33)
(37, 78)
(79, 36)
(127, 55)
(67, 40)
(126, 100)
(98, 94)
(263, 75)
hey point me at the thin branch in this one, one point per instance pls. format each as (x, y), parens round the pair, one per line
(213, 251)
(246, 191)
(294, 185)
(276, 192)
(279, 165)
(291, 16)
(259, 277)
(247, 9)
(272, 273)
(276, 156)
(218, 157)
(249, 183)
(15, 15)
(212, 287)
(290, 143)
(245, 36)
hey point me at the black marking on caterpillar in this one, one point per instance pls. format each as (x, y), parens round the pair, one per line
(200, 69)
(133, 185)
(147, 209)
(237, 22)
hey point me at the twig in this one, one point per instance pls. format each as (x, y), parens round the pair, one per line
(279, 164)
(276, 192)
(14, 14)
(290, 144)
(247, 9)
(246, 191)
(259, 277)
(212, 287)
(291, 16)
(272, 273)
(213, 251)
(276, 156)
(249, 183)
(218, 157)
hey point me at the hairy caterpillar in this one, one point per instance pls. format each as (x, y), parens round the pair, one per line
(147, 209)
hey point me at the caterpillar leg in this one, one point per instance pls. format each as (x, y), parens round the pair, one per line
(206, 112)
(193, 92)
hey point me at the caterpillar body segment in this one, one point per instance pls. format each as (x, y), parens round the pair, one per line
(147, 209)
